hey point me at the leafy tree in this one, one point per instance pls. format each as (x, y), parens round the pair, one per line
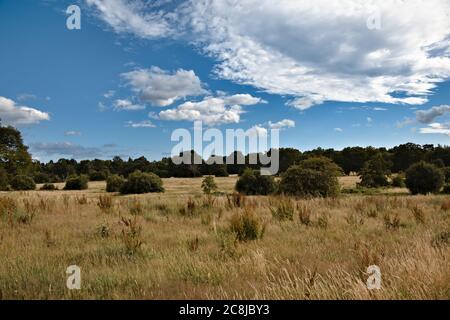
(22, 182)
(75, 182)
(316, 177)
(114, 183)
(209, 185)
(403, 156)
(423, 178)
(251, 182)
(375, 171)
(139, 183)
(14, 156)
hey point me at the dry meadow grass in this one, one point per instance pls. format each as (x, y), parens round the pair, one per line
(178, 245)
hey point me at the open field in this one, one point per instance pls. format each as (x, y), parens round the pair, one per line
(165, 246)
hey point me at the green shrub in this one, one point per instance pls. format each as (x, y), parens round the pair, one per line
(423, 178)
(251, 182)
(398, 181)
(76, 183)
(98, 175)
(114, 183)
(22, 182)
(49, 187)
(317, 177)
(139, 183)
(209, 185)
(41, 177)
(247, 226)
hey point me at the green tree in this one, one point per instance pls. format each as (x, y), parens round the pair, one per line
(209, 185)
(251, 182)
(14, 155)
(375, 172)
(423, 178)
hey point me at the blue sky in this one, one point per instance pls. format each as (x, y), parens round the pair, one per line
(78, 86)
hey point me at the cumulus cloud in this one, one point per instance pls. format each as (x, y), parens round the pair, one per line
(211, 110)
(127, 105)
(437, 128)
(161, 88)
(257, 131)
(313, 51)
(142, 124)
(109, 94)
(14, 114)
(66, 149)
(286, 123)
(428, 116)
(338, 129)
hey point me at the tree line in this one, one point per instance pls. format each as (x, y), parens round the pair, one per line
(15, 160)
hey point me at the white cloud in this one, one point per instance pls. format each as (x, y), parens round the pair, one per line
(405, 122)
(160, 88)
(127, 105)
(66, 149)
(12, 113)
(437, 128)
(379, 109)
(369, 120)
(211, 110)
(72, 133)
(132, 17)
(338, 129)
(286, 123)
(428, 116)
(142, 124)
(109, 94)
(313, 51)
(256, 131)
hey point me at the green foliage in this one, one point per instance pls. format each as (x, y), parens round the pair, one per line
(22, 182)
(398, 181)
(77, 182)
(423, 178)
(139, 183)
(209, 185)
(375, 171)
(14, 155)
(317, 177)
(251, 182)
(114, 183)
(98, 175)
(49, 187)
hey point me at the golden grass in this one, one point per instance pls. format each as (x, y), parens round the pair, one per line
(143, 247)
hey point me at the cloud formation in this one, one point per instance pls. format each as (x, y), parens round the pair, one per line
(66, 149)
(211, 110)
(428, 116)
(72, 133)
(161, 88)
(437, 128)
(127, 105)
(313, 51)
(286, 123)
(142, 124)
(14, 114)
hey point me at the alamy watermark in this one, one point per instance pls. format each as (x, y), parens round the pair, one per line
(254, 142)
(73, 22)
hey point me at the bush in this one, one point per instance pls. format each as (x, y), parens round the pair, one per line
(374, 173)
(247, 226)
(21, 182)
(49, 187)
(139, 182)
(41, 177)
(3, 180)
(114, 183)
(209, 185)
(98, 175)
(398, 181)
(251, 182)
(317, 177)
(76, 183)
(423, 178)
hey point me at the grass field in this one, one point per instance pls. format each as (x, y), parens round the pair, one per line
(178, 245)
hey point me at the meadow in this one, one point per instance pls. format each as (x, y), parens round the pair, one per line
(179, 244)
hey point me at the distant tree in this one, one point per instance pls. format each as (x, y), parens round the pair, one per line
(423, 178)
(251, 182)
(403, 156)
(317, 177)
(209, 185)
(22, 182)
(75, 182)
(375, 172)
(114, 183)
(139, 182)
(288, 157)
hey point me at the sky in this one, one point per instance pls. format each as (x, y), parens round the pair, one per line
(328, 74)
